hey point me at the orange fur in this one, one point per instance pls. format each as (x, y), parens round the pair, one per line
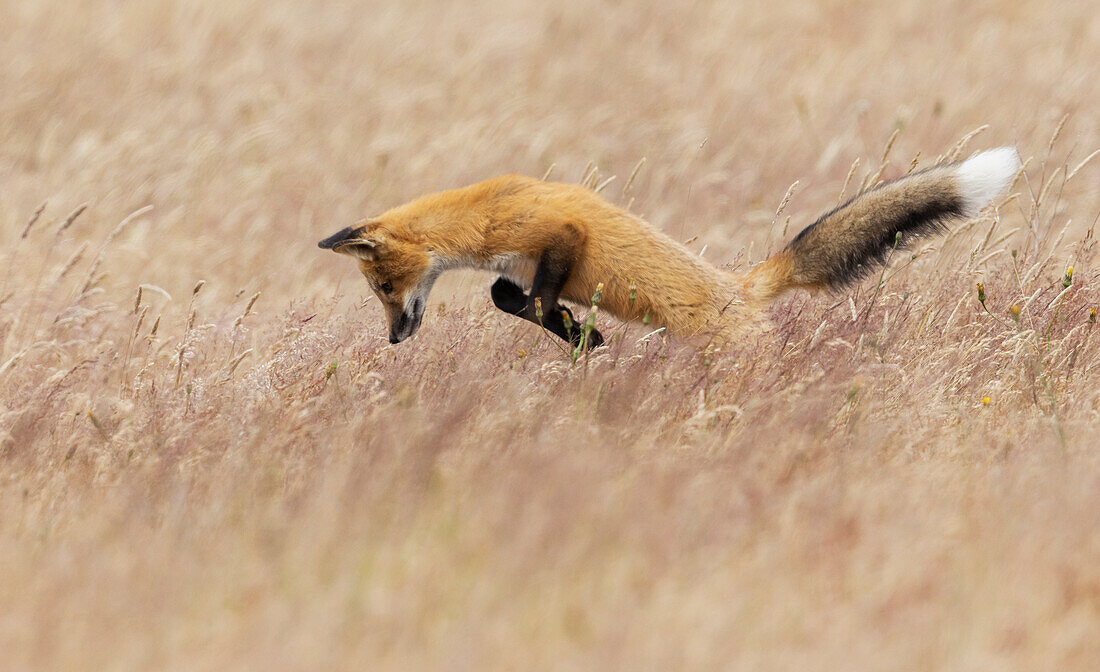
(505, 224)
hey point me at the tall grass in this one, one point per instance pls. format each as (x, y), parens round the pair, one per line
(211, 458)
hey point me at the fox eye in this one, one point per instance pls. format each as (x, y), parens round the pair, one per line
(387, 287)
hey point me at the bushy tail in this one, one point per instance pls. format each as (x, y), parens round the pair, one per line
(846, 244)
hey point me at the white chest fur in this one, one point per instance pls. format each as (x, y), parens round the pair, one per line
(516, 267)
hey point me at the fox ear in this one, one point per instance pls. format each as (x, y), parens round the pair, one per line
(355, 242)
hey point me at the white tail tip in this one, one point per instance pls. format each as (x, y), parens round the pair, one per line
(986, 176)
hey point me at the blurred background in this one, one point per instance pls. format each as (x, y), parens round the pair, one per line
(211, 458)
(282, 121)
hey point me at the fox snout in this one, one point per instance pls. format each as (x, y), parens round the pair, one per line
(407, 322)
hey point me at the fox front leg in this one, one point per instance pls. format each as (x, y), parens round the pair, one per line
(510, 298)
(541, 306)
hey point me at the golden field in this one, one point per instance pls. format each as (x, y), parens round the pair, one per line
(194, 477)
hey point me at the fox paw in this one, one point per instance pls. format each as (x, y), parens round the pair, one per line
(508, 296)
(595, 340)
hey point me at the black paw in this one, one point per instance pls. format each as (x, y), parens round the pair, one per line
(508, 296)
(595, 338)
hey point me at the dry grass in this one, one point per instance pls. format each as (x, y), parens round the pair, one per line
(195, 478)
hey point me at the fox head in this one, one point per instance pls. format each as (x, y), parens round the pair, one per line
(397, 267)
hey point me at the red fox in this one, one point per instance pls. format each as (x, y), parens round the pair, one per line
(550, 242)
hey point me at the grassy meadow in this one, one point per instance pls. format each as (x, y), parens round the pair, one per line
(211, 458)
